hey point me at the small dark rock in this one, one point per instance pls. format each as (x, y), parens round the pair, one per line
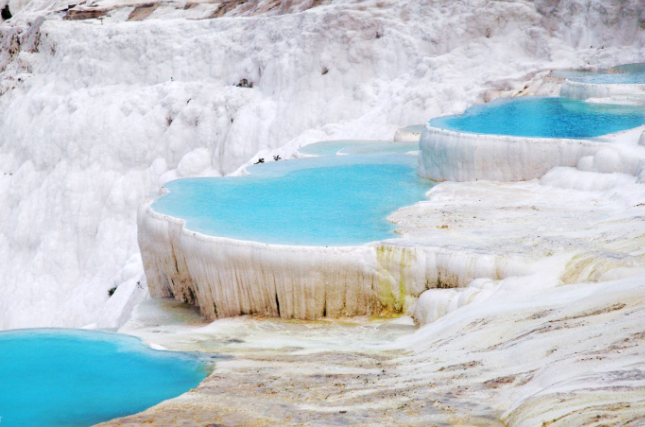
(245, 83)
(80, 15)
(5, 13)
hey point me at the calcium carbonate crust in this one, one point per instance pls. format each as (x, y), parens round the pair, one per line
(583, 91)
(228, 277)
(448, 155)
(403, 136)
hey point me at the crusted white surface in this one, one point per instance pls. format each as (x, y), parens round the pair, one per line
(627, 93)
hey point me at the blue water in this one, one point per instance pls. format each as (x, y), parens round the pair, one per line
(544, 118)
(339, 200)
(631, 68)
(76, 378)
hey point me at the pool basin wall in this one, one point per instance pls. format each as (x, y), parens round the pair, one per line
(228, 277)
(448, 155)
(583, 91)
(401, 135)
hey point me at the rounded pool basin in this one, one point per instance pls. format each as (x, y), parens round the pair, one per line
(337, 200)
(543, 117)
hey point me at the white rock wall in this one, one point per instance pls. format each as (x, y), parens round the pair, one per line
(623, 92)
(228, 277)
(460, 156)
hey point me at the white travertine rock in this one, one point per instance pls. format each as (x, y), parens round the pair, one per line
(622, 92)
(447, 155)
(228, 277)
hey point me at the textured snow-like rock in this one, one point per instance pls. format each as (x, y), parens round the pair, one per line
(568, 356)
(408, 133)
(228, 277)
(448, 155)
(622, 92)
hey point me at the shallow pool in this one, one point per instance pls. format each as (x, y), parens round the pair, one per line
(638, 67)
(544, 118)
(76, 378)
(337, 200)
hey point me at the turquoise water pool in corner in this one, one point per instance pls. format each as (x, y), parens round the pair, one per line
(320, 201)
(542, 117)
(77, 378)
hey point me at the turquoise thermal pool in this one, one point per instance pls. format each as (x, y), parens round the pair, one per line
(544, 118)
(65, 378)
(638, 67)
(335, 200)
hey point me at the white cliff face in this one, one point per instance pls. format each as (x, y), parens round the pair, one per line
(227, 277)
(626, 93)
(460, 156)
(95, 115)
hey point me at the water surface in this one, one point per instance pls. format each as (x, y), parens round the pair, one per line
(544, 118)
(638, 67)
(77, 378)
(336, 200)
